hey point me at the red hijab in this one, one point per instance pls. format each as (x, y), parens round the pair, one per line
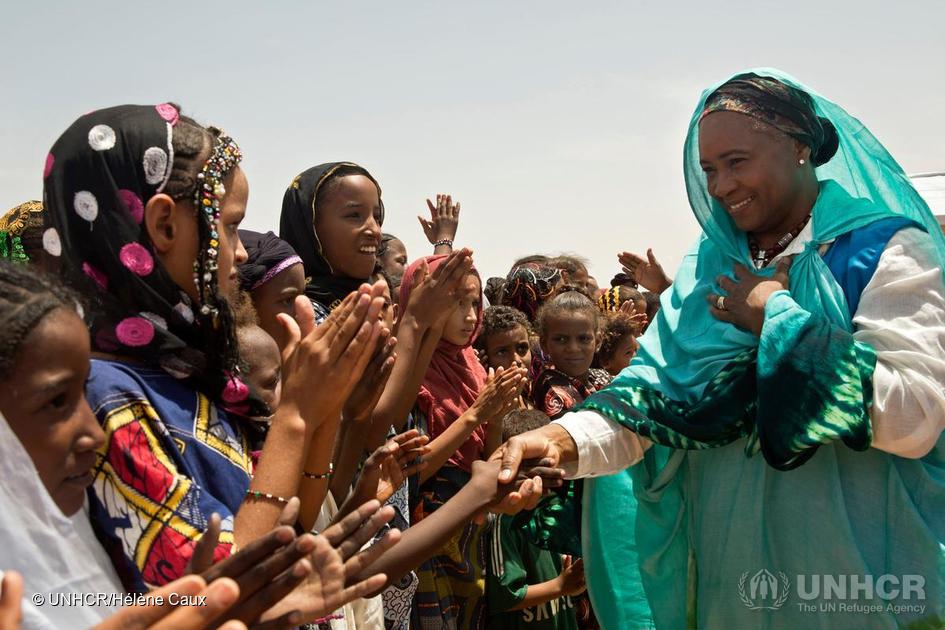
(453, 381)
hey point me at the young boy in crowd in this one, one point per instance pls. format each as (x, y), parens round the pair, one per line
(505, 339)
(529, 587)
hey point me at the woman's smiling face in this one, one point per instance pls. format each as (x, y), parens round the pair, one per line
(751, 170)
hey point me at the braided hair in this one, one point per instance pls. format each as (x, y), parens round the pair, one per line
(27, 295)
(191, 142)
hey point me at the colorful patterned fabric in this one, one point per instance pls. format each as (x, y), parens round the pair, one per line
(788, 109)
(450, 594)
(554, 392)
(21, 231)
(99, 176)
(170, 459)
(528, 286)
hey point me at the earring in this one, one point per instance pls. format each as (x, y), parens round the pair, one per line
(802, 161)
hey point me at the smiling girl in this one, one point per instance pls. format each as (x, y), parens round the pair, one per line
(568, 332)
(332, 216)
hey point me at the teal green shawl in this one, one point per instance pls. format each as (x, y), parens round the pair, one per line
(669, 542)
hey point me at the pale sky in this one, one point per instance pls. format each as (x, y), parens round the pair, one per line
(559, 126)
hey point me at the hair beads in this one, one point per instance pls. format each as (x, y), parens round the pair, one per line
(207, 198)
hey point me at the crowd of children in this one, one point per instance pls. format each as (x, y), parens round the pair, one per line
(182, 390)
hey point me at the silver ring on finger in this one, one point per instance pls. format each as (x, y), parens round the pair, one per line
(720, 303)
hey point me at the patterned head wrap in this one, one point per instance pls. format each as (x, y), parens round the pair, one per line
(609, 301)
(528, 286)
(21, 231)
(297, 227)
(99, 176)
(268, 256)
(787, 109)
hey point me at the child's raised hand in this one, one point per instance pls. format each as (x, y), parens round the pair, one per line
(436, 294)
(444, 219)
(334, 355)
(360, 405)
(638, 320)
(572, 579)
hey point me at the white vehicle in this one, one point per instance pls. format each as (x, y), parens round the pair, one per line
(932, 188)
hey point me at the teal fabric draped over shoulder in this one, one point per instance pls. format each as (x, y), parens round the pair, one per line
(701, 510)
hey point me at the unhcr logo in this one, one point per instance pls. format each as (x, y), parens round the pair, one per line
(861, 594)
(763, 590)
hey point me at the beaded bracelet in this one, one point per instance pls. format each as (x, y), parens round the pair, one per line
(327, 475)
(259, 495)
(443, 241)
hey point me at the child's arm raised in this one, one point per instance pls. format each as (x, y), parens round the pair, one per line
(386, 470)
(433, 299)
(497, 396)
(441, 228)
(424, 540)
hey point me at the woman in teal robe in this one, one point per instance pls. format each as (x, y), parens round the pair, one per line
(765, 483)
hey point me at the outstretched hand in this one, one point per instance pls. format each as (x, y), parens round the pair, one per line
(337, 560)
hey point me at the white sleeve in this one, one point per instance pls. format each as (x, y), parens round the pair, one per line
(902, 316)
(604, 447)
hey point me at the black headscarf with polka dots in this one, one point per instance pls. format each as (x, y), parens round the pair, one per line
(99, 176)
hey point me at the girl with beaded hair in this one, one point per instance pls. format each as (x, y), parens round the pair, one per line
(144, 205)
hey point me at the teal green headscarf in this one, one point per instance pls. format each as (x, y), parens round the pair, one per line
(710, 396)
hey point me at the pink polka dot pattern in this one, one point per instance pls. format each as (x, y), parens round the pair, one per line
(132, 203)
(50, 160)
(97, 276)
(136, 258)
(235, 391)
(168, 112)
(134, 331)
